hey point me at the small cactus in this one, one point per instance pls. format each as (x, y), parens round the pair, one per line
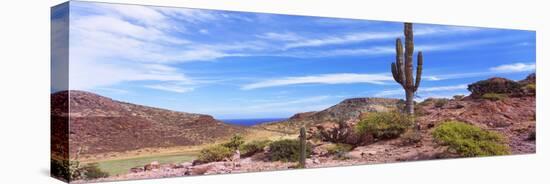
(302, 163)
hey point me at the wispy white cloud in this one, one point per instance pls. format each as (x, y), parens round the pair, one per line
(171, 88)
(385, 50)
(367, 36)
(343, 39)
(338, 78)
(112, 43)
(286, 36)
(515, 67)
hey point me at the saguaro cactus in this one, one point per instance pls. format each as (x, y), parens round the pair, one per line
(403, 71)
(302, 163)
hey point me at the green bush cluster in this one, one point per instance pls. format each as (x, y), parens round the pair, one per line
(384, 125)
(287, 150)
(494, 96)
(215, 153)
(235, 142)
(221, 151)
(468, 140)
(253, 147)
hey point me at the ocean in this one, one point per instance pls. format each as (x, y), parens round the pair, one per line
(250, 122)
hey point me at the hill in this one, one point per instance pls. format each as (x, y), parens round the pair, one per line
(100, 124)
(349, 109)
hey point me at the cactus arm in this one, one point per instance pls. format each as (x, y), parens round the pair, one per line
(419, 63)
(399, 61)
(395, 73)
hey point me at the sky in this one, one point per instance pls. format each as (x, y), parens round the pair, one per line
(237, 65)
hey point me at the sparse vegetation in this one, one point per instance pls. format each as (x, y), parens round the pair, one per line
(60, 169)
(336, 135)
(410, 138)
(215, 153)
(384, 125)
(253, 147)
(339, 150)
(531, 87)
(440, 102)
(494, 96)
(73, 170)
(468, 140)
(287, 150)
(92, 171)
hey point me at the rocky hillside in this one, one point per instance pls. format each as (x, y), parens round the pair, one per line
(346, 110)
(100, 124)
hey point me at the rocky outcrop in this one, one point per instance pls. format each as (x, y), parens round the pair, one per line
(504, 86)
(530, 79)
(494, 85)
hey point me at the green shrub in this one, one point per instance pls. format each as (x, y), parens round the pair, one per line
(287, 150)
(251, 148)
(468, 140)
(215, 153)
(92, 171)
(384, 125)
(235, 142)
(494, 96)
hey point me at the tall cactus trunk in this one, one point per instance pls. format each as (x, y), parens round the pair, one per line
(302, 163)
(402, 71)
(409, 102)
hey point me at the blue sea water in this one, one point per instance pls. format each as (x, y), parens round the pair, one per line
(251, 122)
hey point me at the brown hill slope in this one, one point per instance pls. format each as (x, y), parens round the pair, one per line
(100, 124)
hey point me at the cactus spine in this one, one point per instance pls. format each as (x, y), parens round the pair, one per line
(403, 71)
(302, 163)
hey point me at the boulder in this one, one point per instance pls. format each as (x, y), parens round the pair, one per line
(495, 85)
(136, 169)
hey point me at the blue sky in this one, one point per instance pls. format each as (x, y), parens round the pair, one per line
(251, 65)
